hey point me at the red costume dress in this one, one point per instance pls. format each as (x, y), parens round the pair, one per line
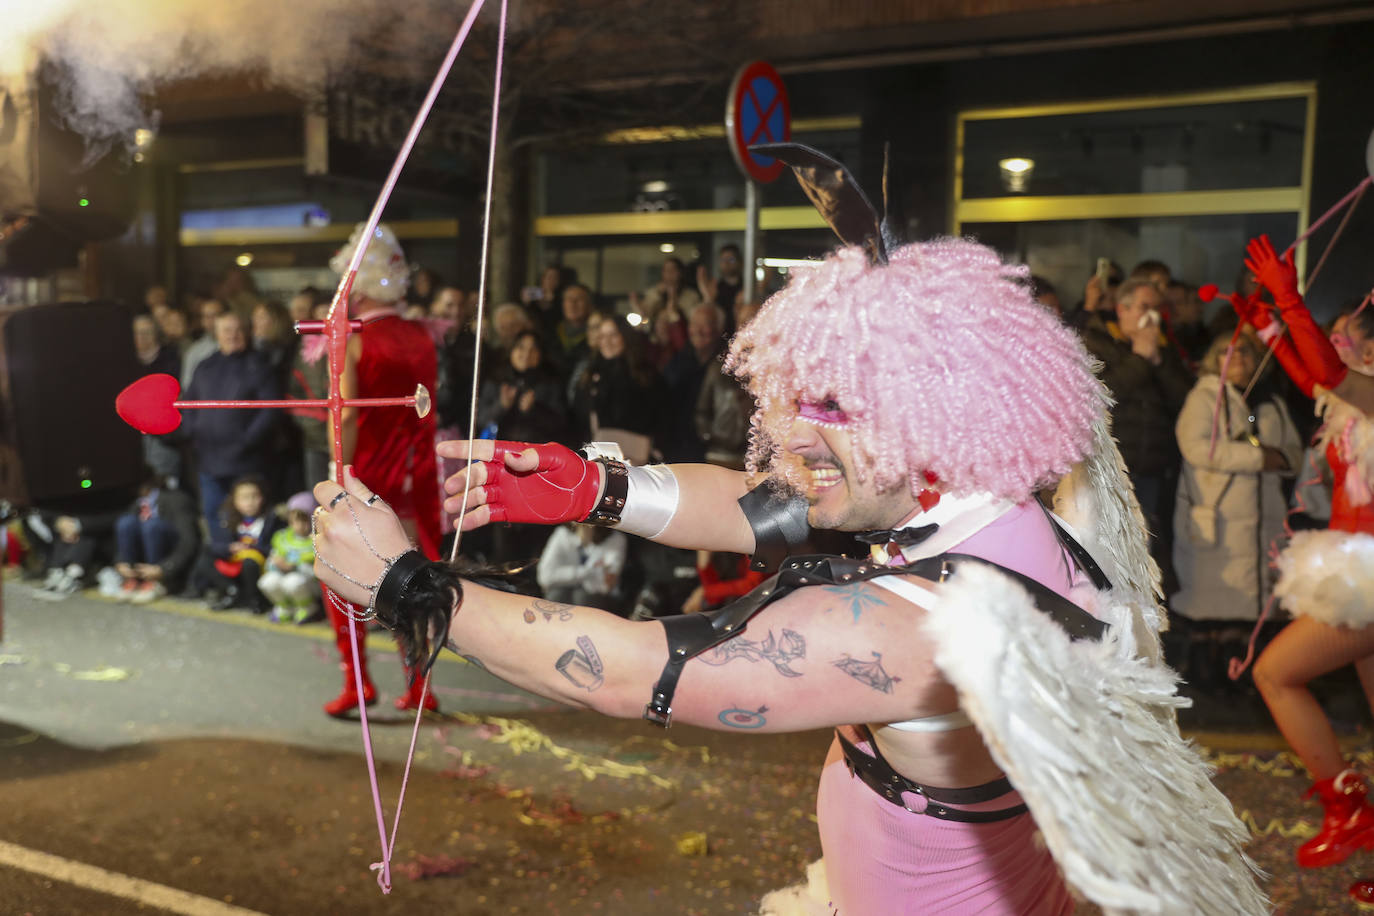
(394, 457)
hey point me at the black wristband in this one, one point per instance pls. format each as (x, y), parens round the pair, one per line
(402, 570)
(607, 510)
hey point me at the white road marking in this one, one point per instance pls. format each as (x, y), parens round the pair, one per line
(115, 884)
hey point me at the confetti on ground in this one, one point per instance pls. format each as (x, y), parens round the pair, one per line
(103, 673)
(691, 844)
(434, 867)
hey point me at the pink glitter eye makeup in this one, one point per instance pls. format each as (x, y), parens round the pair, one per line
(826, 412)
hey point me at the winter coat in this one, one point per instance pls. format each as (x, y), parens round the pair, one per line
(1148, 397)
(231, 442)
(722, 418)
(543, 422)
(1228, 511)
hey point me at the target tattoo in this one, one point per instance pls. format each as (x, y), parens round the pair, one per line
(743, 718)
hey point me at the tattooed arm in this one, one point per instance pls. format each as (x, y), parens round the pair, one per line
(821, 656)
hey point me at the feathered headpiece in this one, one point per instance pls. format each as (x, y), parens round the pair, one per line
(383, 275)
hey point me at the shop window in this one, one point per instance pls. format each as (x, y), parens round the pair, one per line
(1182, 179)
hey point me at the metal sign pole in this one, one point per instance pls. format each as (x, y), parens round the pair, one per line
(756, 111)
(751, 236)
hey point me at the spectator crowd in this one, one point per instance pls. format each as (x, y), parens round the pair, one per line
(1212, 437)
(223, 512)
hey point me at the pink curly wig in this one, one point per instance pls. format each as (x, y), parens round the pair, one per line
(942, 361)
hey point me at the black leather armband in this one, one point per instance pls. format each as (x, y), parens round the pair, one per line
(606, 512)
(780, 526)
(416, 600)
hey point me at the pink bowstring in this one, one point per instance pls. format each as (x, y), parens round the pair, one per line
(482, 275)
(383, 868)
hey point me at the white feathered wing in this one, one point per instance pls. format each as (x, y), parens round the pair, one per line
(1085, 732)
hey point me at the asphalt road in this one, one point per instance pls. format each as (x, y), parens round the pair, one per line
(168, 759)
(187, 749)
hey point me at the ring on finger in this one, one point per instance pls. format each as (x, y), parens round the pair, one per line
(338, 498)
(373, 499)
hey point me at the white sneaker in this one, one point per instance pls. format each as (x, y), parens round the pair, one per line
(69, 585)
(146, 592)
(54, 577)
(109, 582)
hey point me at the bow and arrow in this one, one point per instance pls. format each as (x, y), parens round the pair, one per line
(151, 404)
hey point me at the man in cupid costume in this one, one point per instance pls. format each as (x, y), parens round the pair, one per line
(990, 684)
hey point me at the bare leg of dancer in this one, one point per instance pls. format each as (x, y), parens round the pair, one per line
(1304, 650)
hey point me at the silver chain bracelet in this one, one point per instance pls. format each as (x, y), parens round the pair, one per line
(348, 608)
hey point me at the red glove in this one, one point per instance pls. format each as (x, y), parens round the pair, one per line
(1280, 277)
(1323, 365)
(1254, 312)
(564, 487)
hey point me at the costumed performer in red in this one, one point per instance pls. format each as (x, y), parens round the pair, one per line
(390, 448)
(1326, 578)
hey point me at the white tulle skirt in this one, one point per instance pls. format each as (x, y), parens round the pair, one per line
(1328, 576)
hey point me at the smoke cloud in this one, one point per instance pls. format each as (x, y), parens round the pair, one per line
(108, 56)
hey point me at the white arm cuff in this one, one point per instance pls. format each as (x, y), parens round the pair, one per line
(651, 501)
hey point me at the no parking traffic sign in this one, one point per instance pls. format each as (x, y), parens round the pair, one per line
(757, 111)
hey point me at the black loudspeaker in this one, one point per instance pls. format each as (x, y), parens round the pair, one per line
(57, 192)
(61, 367)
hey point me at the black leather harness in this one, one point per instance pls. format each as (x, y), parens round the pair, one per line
(689, 635)
(875, 772)
(780, 524)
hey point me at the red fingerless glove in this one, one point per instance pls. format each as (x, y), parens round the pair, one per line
(563, 488)
(1321, 362)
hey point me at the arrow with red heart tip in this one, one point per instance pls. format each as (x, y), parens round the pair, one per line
(150, 404)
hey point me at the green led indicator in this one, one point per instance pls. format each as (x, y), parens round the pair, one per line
(83, 202)
(85, 483)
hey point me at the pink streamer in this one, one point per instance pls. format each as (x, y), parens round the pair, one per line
(1221, 391)
(1359, 195)
(1235, 667)
(1335, 208)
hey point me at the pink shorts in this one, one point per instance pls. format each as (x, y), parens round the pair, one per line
(881, 859)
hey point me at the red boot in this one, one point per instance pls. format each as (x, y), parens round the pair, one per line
(411, 698)
(1362, 892)
(1348, 825)
(347, 700)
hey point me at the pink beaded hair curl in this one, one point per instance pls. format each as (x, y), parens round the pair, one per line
(942, 361)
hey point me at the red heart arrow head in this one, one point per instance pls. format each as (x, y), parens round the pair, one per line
(146, 405)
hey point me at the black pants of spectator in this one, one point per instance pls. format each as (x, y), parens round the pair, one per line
(80, 553)
(239, 591)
